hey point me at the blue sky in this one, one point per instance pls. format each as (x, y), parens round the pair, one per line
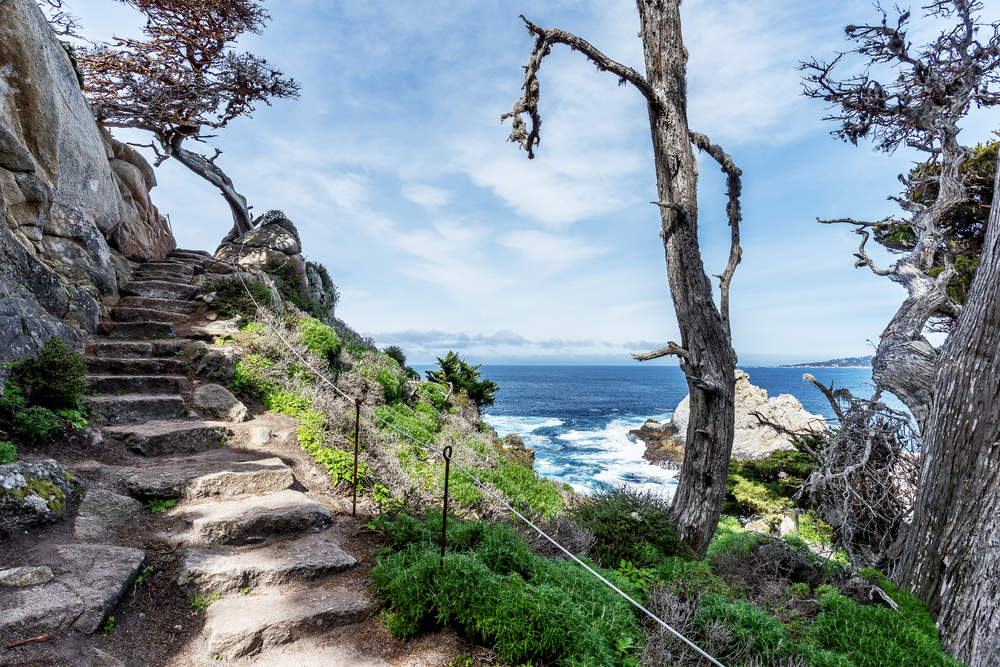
(442, 236)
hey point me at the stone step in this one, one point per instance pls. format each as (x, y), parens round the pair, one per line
(165, 276)
(148, 366)
(146, 315)
(231, 570)
(159, 289)
(168, 305)
(222, 472)
(175, 266)
(134, 349)
(134, 384)
(188, 253)
(133, 330)
(133, 408)
(254, 519)
(170, 437)
(243, 624)
(89, 581)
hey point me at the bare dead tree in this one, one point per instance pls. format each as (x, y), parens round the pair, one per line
(185, 78)
(928, 91)
(706, 353)
(952, 556)
(865, 476)
(950, 559)
(63, 23)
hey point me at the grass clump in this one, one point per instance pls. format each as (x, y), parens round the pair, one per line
(250, 377)
(36, 423)
(8, 452)
(875, 635)
(522, 486)
(630, 525)
(320, 339)
(494, 588)
(417, 425)
(231, 298)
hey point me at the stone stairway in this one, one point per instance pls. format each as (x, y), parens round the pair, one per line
(249, 534)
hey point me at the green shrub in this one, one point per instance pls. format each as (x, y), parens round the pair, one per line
(875, 635)
(320, 339)
(406, 420)
(36, 423)
(747, 623)
(340, 466)
(464, 377)
(493, 586)
(731, 540)
(231, 298)
(623, 520)
(8, 452)
(293, 286)
(386, 378)
(54, 378)
(434, 393)
(521, 486)
(396, 352)
(12, 400)
(249, 377)
(286, 403)
(76, 418)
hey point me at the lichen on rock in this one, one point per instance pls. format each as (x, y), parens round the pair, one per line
(32, 494)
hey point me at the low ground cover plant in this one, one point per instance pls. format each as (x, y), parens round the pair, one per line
(493, 587)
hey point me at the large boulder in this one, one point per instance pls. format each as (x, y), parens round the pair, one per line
(665, 442)
(276, 243)
(73, 203)
(216, 402)
(32, 494)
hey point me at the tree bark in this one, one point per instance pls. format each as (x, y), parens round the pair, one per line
(709, 363)
(706, 354)
(952, 555)
(207, 169)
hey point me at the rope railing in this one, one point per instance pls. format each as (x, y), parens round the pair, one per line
(446, 455)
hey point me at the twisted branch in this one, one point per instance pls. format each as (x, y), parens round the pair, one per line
(734, 187)
(527, 137)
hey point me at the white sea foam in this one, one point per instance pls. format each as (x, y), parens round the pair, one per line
(588, 458)
(505, 424)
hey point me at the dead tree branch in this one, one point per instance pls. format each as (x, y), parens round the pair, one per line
(671, 348)
(734, 187)
(545, 38)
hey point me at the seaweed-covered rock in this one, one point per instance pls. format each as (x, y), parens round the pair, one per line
(32, 494)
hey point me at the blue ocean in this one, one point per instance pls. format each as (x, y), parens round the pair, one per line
(577, 418)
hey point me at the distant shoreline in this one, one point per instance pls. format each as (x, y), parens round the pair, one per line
(809, 366)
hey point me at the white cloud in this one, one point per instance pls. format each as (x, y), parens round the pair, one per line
(427, 196)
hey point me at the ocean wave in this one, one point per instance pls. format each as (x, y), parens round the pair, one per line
(588, 453)
(505, 424)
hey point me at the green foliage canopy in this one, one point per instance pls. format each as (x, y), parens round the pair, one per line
(462, 376)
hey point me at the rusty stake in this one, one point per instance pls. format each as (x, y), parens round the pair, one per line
(444, 519)
(357, 427)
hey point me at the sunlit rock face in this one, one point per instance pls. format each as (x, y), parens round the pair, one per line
(74, 204)
(665, 442)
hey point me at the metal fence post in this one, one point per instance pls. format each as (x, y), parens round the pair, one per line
(444, 518)
(357, 428)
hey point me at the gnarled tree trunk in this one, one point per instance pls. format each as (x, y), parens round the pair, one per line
(952, 555)
(708, 361)
(207, 169)
(706, 352)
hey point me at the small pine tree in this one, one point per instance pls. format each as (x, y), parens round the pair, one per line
(463, 376)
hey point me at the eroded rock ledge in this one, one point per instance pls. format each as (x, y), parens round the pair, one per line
(665, 441)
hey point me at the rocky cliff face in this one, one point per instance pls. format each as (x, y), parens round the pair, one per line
(74, 203)
(275, 243)
(665, 442)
